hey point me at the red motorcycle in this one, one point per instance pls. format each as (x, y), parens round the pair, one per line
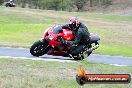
(53, 44)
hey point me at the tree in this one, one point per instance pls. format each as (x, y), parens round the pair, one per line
(79, 4)
(54, 4)
(106, 2)
(101, 3)
(23, 3)
(1, 2)
(91, 3)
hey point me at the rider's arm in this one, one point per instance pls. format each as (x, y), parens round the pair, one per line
(66, 26)
(82, 35)
(77, 38)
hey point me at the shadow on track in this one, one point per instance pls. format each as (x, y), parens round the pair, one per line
(47, 57)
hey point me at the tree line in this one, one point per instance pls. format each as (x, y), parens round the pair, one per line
(67, 5)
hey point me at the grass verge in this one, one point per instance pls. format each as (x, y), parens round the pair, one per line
(21, 27)
(21, 35)
(16, 73)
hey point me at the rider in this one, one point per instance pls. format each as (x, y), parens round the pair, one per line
(10, 1)
(81, 34)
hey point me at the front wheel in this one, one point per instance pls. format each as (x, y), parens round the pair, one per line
(39, 48)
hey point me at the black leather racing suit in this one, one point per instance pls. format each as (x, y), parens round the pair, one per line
(81, 38)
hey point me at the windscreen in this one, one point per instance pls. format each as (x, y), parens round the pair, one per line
(57, 30)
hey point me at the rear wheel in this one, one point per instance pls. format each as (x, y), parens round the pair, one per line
(89, 52)
(80, 56)
(13, 5)
(77, 57)
(39, 48)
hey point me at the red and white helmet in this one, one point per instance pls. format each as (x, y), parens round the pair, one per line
(74, 22)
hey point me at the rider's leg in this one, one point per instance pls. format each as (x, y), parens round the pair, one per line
(77, 50)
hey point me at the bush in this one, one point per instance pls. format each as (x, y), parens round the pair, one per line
(106, 2)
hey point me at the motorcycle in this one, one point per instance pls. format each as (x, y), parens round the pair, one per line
(53, 44)
(8, 4)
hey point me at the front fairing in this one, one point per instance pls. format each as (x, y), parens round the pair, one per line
(52, 40)
(53, 33)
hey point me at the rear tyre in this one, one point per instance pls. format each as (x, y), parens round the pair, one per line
(89, 53)
(77, 57)
(39, 48)
(96, 43)
(13, 6)
(80, 56)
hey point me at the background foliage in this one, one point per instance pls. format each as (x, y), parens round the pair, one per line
(67, 5)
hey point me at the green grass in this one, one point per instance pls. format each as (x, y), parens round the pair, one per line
(108, 17)
(21, 34)
(114, 50)
(21, 27)
(16, 73)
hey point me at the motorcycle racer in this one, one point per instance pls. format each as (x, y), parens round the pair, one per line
(11, 2)
(81, 33)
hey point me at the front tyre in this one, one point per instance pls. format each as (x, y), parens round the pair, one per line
(39, 48)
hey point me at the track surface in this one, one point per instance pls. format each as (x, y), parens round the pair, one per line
(24, 54)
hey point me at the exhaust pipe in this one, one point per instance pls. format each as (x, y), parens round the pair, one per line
(93, 48)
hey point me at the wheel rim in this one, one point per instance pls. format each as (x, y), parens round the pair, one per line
(38, 49)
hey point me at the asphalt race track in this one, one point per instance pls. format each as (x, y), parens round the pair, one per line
(23, 53)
